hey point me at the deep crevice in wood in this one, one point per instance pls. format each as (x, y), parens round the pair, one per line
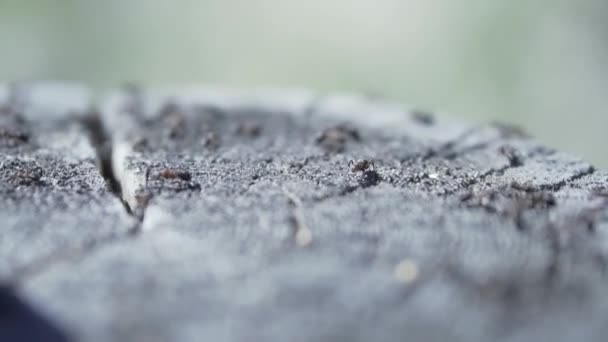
(101, 141)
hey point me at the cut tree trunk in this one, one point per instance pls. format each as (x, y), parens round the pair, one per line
(278, 215)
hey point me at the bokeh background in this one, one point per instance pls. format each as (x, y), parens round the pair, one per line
(542, 64)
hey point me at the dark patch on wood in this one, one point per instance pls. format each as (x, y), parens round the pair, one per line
(513, 156)
(334, 139)
(249, 129)
(369, 178)
(510, 202)
(141, 144)
(175, 120)
(169, 179)
(211, 141)
(13, 129)
(11, 137)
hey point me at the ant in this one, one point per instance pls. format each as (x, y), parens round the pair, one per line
(361, 165)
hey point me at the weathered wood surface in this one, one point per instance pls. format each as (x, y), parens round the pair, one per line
(54, 201)
(286, 215)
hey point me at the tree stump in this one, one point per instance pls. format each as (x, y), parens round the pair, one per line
(272, 215)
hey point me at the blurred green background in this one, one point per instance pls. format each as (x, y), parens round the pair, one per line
(542, 64)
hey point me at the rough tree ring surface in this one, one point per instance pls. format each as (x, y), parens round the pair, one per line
(277, 215)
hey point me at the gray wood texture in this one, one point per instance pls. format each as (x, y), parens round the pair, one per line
(54, 202)
(277, 215)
